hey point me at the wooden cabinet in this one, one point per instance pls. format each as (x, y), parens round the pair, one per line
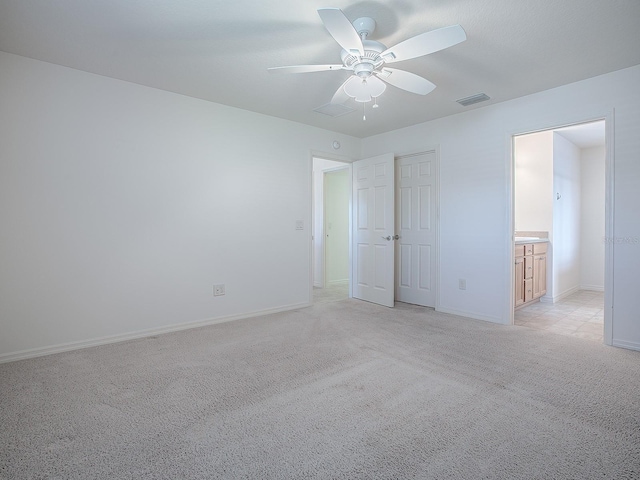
(530, 273)
(519, 286)
(539, 269)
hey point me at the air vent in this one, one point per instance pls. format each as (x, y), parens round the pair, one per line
(334, 109)
(477, 98)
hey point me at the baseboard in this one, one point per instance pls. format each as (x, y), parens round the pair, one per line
(66, 347)
(592, 288)
(475, 316)
(339, 282)
(625, 344)
(557, 298)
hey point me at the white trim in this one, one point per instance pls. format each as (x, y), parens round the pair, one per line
(566, 293)
(609, 168)
(350, 230)
(592, 288)
(509, 312)
(312, 224)
(344, 281)
(475, 316)
(67, 347)
(557, 298)
(625, 344)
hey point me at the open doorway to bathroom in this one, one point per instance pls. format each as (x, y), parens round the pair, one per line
(559, 219)
(330, 234)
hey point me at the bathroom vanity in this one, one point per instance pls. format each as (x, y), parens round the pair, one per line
(530, 269)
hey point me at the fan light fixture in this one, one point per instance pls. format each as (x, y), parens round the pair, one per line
(367, 59)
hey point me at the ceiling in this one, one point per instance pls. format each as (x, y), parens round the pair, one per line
(585, 135)
(219, 50)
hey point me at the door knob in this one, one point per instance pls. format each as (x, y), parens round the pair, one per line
(396, 237)
(387, 238)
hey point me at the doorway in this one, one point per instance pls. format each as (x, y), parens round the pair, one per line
(560, 196)
(330, 230)
(392, 215)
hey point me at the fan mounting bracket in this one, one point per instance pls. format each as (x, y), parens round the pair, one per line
(365, 26)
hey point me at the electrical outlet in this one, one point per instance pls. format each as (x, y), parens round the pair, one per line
(462, 284)
(218, 290)
(299, 225)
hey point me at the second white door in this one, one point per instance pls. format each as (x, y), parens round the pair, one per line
(415, 224)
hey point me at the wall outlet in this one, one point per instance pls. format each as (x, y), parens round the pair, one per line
(299, 225)
(462, 284)
(218, 290)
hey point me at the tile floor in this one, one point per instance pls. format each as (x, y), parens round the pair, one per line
(580, 315)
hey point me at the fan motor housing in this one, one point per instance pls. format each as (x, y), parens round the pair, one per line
(372, 51)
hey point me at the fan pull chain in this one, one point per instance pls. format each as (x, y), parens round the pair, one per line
(364, 113)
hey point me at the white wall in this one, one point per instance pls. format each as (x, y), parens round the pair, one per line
(475, 199)
(592, 165)
(122, 205)
(565, 236)
(336, 201)
(533, 182)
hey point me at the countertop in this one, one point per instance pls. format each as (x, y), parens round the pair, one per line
(523, 240)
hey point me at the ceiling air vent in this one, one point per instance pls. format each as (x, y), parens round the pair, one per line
(334, 109)
(477, 98)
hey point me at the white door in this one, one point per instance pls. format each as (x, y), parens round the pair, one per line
(415, 223)
(373, 230)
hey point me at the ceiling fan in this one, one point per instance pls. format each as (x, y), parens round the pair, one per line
(368, 59)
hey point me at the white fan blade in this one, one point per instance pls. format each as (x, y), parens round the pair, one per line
(342, 30)
(304, 68)
(406, 81)
(340, 97)
(425, 44)
(364, 89)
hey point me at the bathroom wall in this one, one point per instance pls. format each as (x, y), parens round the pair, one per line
(592, 221)
(565, 236)
(534, 182)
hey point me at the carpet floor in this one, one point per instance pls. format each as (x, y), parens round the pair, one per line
(341, 390)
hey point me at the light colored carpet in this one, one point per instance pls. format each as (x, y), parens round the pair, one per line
(331, 293)
(339, 390)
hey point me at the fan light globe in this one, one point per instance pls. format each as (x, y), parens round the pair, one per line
(363, 90)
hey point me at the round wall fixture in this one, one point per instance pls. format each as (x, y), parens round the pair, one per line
(336, 144)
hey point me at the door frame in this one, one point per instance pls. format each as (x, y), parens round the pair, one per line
(349, 164)
(608, 118)
(313, 154)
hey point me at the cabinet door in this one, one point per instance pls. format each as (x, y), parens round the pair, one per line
(539, 275)
(528, 290)
(518, 279)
